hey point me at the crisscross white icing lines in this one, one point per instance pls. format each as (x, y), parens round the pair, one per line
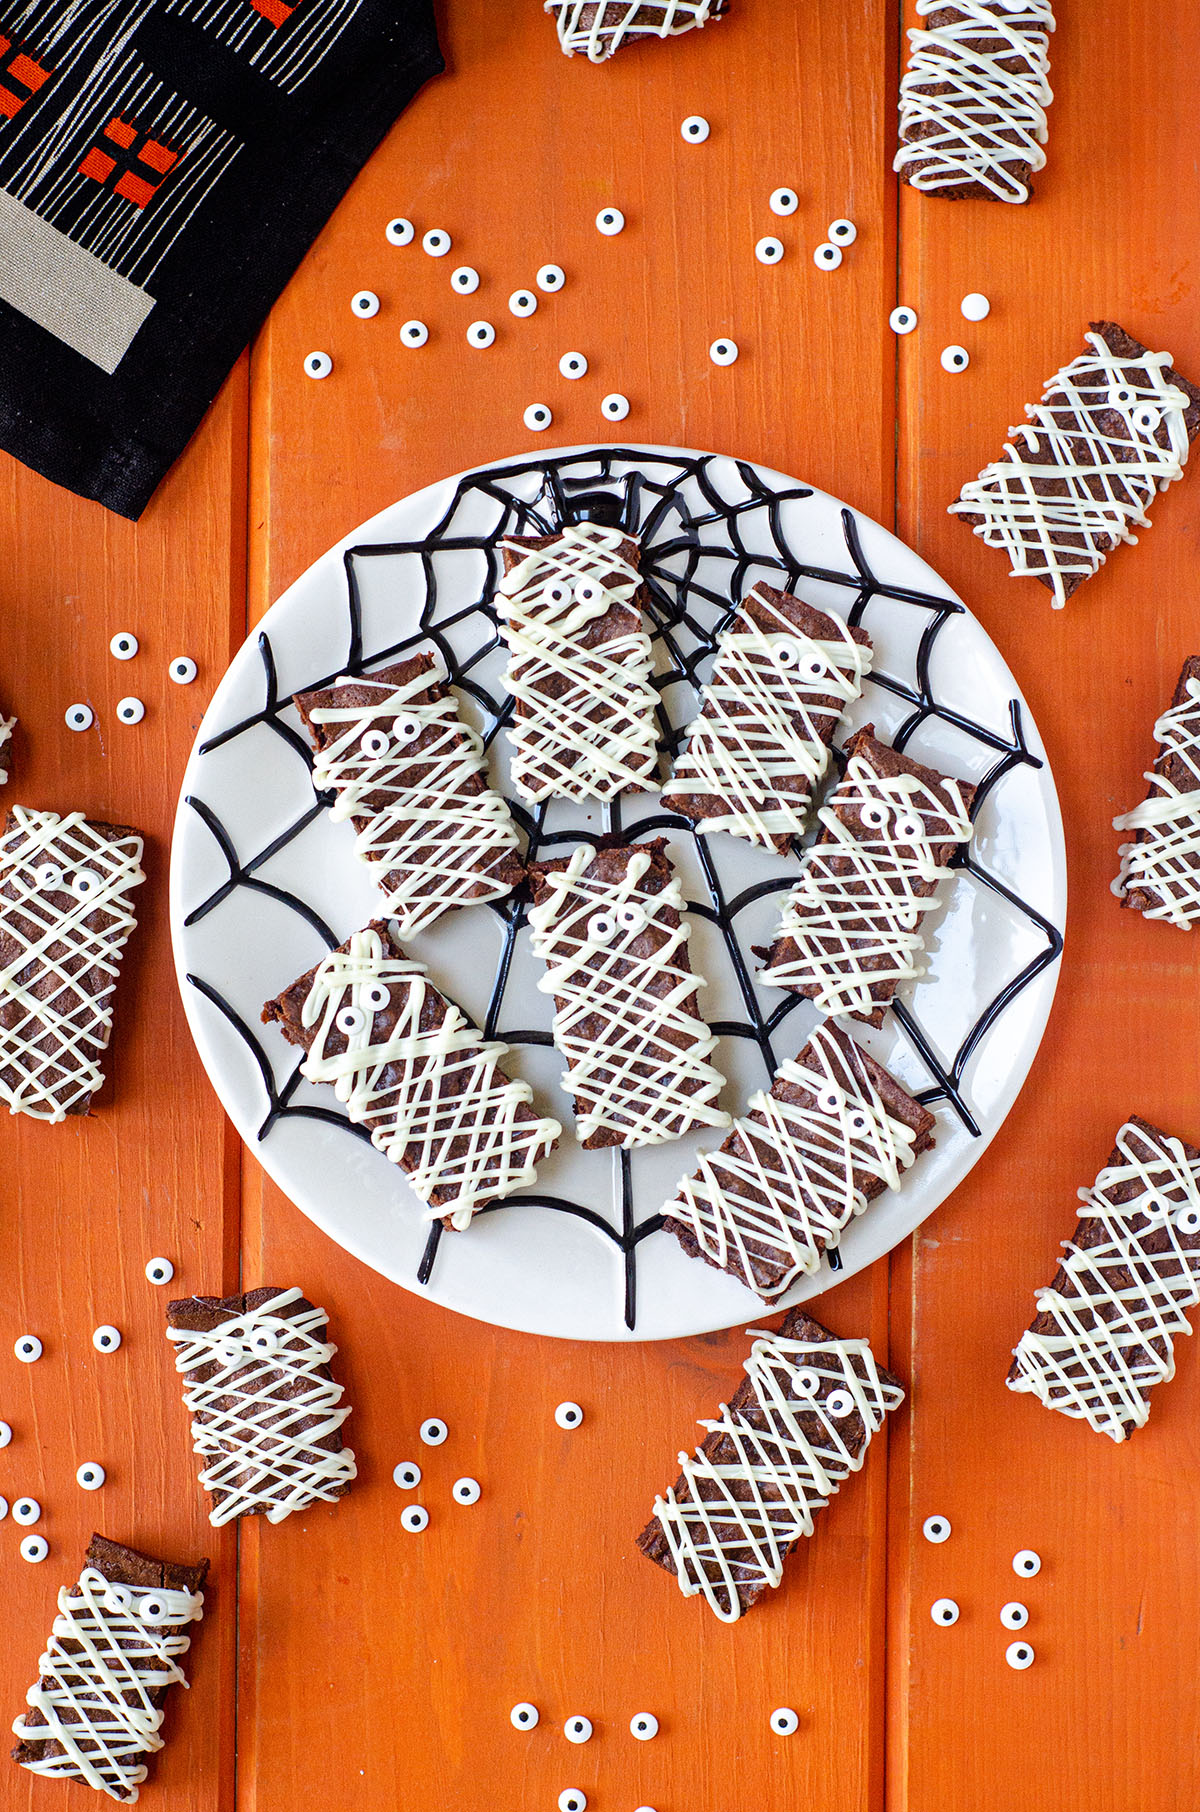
(435, 1099)
(588, 728)
(598, 27)
(855, 915)
(249, 1414)
(58, 974)
(110, 1648)
(964, 118)
(599, 966)
(7, 726)
(433, 843)
(802, 1158)
(769, 723)
(791, 1454)
(1098, 1364)
(1168, 862)
(1095, 438)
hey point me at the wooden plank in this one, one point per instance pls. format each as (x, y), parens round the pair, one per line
(85, 1204)
(379, 1665)
(1109, 1715)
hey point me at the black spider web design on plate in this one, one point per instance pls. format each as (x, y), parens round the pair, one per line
(700, 546)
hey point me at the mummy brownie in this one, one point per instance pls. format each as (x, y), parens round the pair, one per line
(1160, 866)
(784, 676)
(851, 930)
(795, 1429)
(974, 97)
(412, 778)
(266, 1413)
(1113, 427)
(834, 1131)
(1103, 1335)
(7, 726)
(116, 1649)
(579, 664)
(597, 28)
(66, 886)
(610, 926)
(413, 1070)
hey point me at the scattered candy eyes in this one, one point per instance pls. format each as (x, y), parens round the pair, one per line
(723, 352)
(106, 1339)
(465, 1491)
(414, 334)
(1027, 1563)
(124, 646)
(902, 320)
(34, 1548)
(524, 1716)
(610, 222)
(644, 1726)
(909, 828)
(874, 816)
(577, 1729)
(944, 1612)
(537, 418)
(400, 231)
(568, 1415)
(264, 1341)
(317, 365)
(5, 1434)
(26, 1510)
(90, 1476)
(936, 1528)
(694, 129)
(160, 1270)
(572, 1800)
(784, 201)
(376, 996)
(85, 883)
(434, 1432)
(407, 729)
(808, 1382)
(784, 1721)
(465, 280)
(407, 1475)
(615, 408)
(117, 1598)
(49, 877)
(827, 256)
(839, 1403)
(182, 670)
(1146, 418)
(1019, 1655)
(1014, 1616)
(551, 277)
(436, 242)
(79, 717)
(364, 304)
(522, 302)
(350, 1020)
(481, 333)
(27, 1347)
(975, 307)
(843, 232)
(955, 358)
(769, 251)
(573, 365)
(414, 1518)
(1188, 1220)
(130, 710)
(631, 916)
(374, 744)
(600, 928)
(830, 1100)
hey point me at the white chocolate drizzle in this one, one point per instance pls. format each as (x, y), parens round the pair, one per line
(598, 27)
(1120, 1296)
(856, 913)
(790, 1186)
(1103, 439)
(786, 1453)
(964, 118)
(251, 1412)
(7, 726)
(435, 1099)
(760, 742)
(111, 1646)
(614, 959)
(65, 916)
(1167, 862)
(585, 726)
(433, 842)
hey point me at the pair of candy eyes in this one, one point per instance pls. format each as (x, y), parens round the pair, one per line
(838, 1403)
(83, 884)
(264, 1343)
(906, 827)
(145, 1609)
(1144, 416)
(378, 742)
(605, 925)
(831, 1100)
(354, 1019)
(791, 655)
(586, 592)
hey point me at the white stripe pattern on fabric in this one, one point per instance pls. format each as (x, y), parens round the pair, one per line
(1168, 861)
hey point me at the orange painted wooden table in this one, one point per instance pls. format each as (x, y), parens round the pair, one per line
(343, 1663)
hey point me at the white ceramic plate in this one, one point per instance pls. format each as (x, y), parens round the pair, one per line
(262, 882)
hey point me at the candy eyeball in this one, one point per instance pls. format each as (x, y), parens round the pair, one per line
(26, 1510)
(694, 130)
(34, 1548)
(465, 280)
(573, 365)
(830, 1099)
(414, 1518)
(522, 302)
(784, 1721)
(1026, 1563)
(587, 591)
(615, 408)
(610, 222)
(842, 232)
(556, 593)
(437, 242)
(858, 1124)
(399, 231)
(644, 1726)
(936, 1528)
(784, 201)
(117, 1597)
(600, 928)
(944, 1612)
(975, 307)
(434, 1431)
(955, 358)
(49, 877)
(152, 1609)
(414, 334)
(723, 352)
(1019, 1656)
(1014, 1616)
(5, 1434)
(124, 646)
(182, 670)
(79, 717)
(524, 1716)
(568, 1415)
(90, 1476)
(481, 334)
(578, 1729)
(874, 815)
(550, 278)
(317, 365)
(631, 916)
(86, 883)
(106, 1339)
(769, 251)
(364, 303)
(27, 1348)
(538, 417)
(465, 1491)
(910, 828)
(808, 1382)
(264, 1343)
(376, 996)
(1187, 1220)
(1147, 419)
(572, 1799)
(406, 729)
(130, 710)
(374, 744)
(902, 320)
(827, 256)
(160, 1270)
(407, 1475)
(350, 1021)
(839, 1403)
(1122, 397)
